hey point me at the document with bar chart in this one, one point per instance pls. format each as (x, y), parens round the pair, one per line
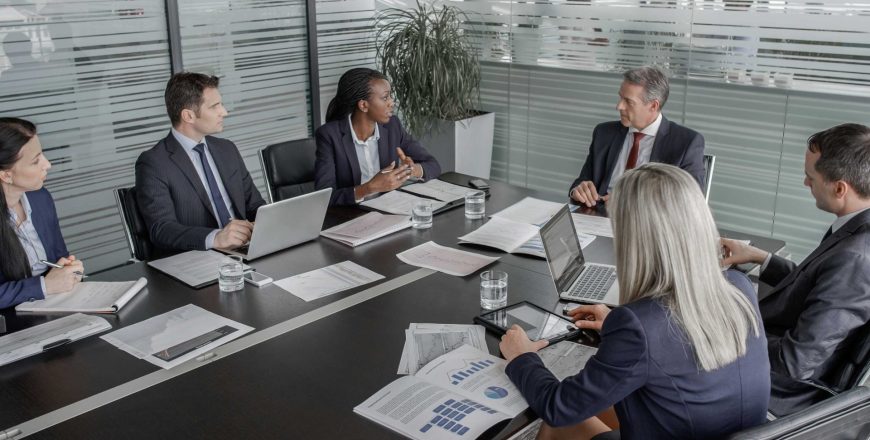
(458, 395)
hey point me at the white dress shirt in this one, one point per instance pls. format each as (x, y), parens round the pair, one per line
(367, 153)
(644, 150)
(30, 240)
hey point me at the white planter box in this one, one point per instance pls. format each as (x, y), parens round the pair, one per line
(463, 146)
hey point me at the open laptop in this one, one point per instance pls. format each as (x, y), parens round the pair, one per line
(576, 280)
(286, 223)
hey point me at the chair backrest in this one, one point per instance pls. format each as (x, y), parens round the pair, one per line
(845, 416)
(134, 227)
(709, 164)
(856, 363)
(289, 168)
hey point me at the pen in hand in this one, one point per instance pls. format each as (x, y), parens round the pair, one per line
(58, 266)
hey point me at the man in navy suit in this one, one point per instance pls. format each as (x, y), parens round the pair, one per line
(815, 314)
(641, 135)
(193, 190)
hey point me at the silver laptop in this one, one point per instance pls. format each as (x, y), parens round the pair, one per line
(286, 223)
(576, 279)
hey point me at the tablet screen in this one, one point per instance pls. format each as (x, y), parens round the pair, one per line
(538, 323)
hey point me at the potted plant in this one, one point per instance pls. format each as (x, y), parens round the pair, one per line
(435, 74)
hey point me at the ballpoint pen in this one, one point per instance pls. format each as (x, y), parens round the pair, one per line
(58, 266)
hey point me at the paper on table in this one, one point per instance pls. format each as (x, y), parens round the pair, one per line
(501, 233)
(529, 432)
(530, 210)
(31, 341)
(89, 296)
(535, 246)
(176, 336)
(566, 358)
(592, 224)
(438, 189)
(445, 259)
(366, 228)
(328, 280)
(397, 202)
(194, 268)
(425, 342)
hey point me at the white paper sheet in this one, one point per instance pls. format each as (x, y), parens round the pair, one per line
(89, 296)
(444, 259)
(366, 228)
(177, 336)
(502, 234)
(566, 358)
(328, 280)
(592, 224)
(529, 432)
(535, 246)
(530, 210)
(398, 202)
(438, 189)
(31, 341)
(425, 342)
(193, 268)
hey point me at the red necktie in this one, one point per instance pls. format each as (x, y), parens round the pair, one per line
(632, 155)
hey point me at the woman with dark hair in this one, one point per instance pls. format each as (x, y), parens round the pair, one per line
(362, 149)
(30, 234)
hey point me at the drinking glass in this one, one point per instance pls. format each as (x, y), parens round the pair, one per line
(230, 274)
(493, 289)
(421, 214)
(475, 205)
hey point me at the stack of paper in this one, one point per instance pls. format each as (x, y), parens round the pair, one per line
(194, 268)
(438, 189)
(514, 237)
(397, 202)
(328, 280)
(88, 297)
(566, 358)
(425, 342)
(530, 210)
(445, 259)
(369, 227)
(36, 339)
(592, 224)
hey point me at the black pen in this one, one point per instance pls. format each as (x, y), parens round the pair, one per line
(55, 344)
(58, 266)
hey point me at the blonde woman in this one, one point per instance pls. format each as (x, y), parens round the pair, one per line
(684, 356)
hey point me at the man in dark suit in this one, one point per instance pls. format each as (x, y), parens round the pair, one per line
(193, 190)
(817, 309)
(641, 135)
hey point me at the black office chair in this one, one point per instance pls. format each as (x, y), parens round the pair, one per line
(288, 168)
(845, 416)
(709, 164)
(138, 242)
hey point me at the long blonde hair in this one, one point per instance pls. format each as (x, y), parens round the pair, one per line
(667, 248)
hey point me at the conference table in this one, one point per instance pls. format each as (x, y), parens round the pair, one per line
(306, 365)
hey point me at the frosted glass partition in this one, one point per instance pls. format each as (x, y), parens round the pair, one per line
(259, 49)
(91, 76)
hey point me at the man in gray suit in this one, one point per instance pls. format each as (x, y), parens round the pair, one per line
(816, 311)
(193, 190)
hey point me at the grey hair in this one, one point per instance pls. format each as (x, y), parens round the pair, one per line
(654, 82)
(667, 249)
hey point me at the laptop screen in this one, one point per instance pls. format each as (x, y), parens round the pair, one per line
(562, 247)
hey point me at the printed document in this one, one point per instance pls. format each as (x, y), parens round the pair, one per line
(444, 259)
(176, 336)
(89, 297)
(366, 228)
(438, 189)
(36, 339)
(592, 224)
(566, 358)
(425, 342)
(397, 202)
(529, 432)
(514, 237)
(328, 280)
(460, 394)
(530, 211)
(194, 268)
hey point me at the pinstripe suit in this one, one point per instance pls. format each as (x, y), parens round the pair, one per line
(174, 203)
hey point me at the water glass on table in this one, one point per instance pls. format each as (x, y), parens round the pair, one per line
(493, 289)
(421, 214)
(475, 205)
(231, 274)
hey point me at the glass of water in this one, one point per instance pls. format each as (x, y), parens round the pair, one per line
(231, 273)
(475, 204)
(421, 214)
(493, 289)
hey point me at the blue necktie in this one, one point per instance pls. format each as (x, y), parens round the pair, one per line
(216, 198)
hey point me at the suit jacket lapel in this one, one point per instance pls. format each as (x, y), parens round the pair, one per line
(350, 151)
(659, 142)
(383, 148)
(43, 230)
(180, 158)
(613, 151)
(226, 164)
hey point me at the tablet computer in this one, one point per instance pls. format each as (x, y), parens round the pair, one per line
(537, 322)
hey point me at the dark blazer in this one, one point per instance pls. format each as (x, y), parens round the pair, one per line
(814, 312)
(646, 369)
(674, 144)
(175, 204)
(44, 218)
(337, 165)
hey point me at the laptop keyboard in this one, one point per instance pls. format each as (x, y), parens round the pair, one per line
(593, 284)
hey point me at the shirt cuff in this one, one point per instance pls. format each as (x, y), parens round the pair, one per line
(42, 284)
(209, 239)
(766, 262)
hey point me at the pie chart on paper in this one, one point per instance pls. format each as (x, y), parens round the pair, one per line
(495, 393)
